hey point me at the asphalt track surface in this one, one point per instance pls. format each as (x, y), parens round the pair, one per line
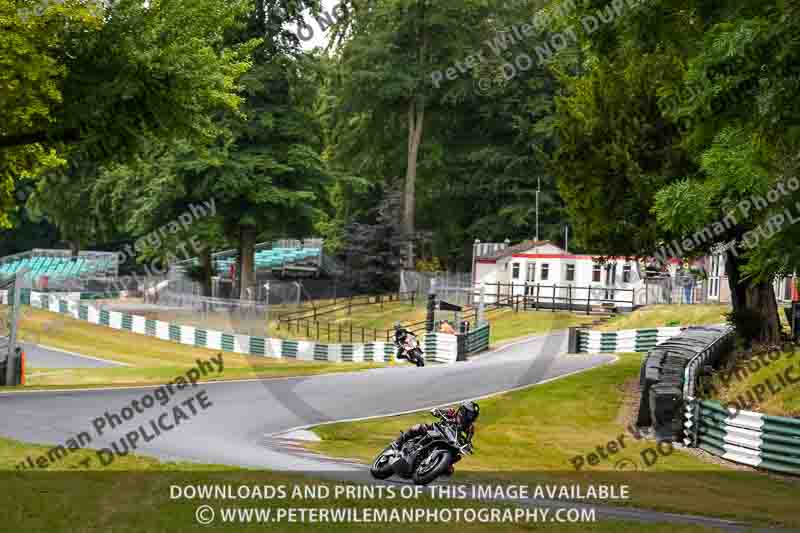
(37, 356)
(244, 421)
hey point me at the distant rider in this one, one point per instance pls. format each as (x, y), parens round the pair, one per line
(462, 419)
(400, 336)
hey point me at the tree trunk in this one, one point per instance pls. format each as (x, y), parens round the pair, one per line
(753, 298)
(207, 268)
(247, 250)
(75, 248)
(416, 116)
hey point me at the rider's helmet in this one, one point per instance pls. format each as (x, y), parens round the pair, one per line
(398, 326)
(466, 414)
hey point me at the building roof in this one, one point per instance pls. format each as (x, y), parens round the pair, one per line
(517, 248)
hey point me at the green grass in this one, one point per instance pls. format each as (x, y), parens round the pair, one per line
(153, 360)
(508, 325)
(762, 383)
(535, 434)
(656, 316)
(133, 495)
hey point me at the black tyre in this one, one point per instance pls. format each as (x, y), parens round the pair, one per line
(430, 469)
(381, 467)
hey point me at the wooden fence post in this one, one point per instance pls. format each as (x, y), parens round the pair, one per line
(588, 299)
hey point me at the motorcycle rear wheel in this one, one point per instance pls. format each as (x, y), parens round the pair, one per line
(381, 468)
(428, 473)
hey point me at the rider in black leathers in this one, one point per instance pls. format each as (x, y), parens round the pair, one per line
(400, 334)
(463, 419)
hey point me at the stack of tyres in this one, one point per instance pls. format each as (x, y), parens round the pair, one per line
(663, 375)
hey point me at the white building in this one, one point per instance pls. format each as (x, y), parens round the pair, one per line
(551, 276)
(548, 275)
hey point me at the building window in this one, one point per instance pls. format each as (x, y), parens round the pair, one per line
(626, 274)
(545, 273)
(570, 273)
(596, 272)
(515, 271)
(531, 276)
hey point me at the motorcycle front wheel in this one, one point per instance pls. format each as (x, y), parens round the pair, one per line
(381, 467)
(432, 467)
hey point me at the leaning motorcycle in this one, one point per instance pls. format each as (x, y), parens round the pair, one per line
(410, 350)
(422, 459)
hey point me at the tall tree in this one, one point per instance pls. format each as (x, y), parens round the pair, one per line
(394, 60)
(701, 119)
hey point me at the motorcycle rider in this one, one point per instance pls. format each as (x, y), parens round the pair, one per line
(400, 335)
(462, 419)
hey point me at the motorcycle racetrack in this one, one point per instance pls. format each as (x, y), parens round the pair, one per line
(238, 418)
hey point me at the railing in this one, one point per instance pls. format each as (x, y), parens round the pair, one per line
(343, 332)
(348, 303)
(563, 297)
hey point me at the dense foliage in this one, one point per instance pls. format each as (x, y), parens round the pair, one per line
(634, 124)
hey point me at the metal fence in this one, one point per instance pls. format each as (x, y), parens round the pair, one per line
(452, 287)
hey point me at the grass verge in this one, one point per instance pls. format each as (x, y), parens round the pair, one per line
(153, 360)
(539, 432)
(763, 381)
(657, 316)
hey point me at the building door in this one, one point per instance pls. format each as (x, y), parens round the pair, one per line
(530, 278)
(611, 280)
(713, 277)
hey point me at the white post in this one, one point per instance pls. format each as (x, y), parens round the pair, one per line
(481, 305)
(266, 312)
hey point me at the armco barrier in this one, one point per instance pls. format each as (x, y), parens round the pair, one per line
(80, 309)
(629, 340)
(762, 441)
(439, 347)
(669, 381)
(477, 340)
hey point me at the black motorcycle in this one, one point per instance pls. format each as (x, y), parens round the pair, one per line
(409, 349)
(422, 459)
